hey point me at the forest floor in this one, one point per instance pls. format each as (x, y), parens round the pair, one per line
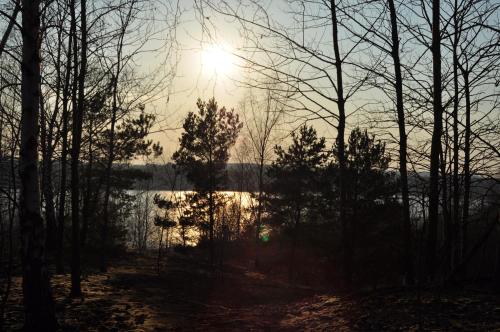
(131, 296)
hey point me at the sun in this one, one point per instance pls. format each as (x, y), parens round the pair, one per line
(217, 59)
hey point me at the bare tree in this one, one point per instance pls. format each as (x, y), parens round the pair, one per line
(38, 302)
(260, 123)
(476, 62)
(125, 20)
(10, 26)
(9, 148)
(64, 155)
(80, 67)
(436, 139)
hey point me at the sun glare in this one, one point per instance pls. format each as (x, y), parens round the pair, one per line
(217, 59)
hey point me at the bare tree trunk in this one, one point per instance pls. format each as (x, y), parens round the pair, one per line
(109, 166)
(456, 146)
(46, 182)
(403, 143)
(78, 110)
(347, 249)
(88, 189)
(10, 26)
(48, 190)
(49, 127)
(111, 154)
(444, 206)
(259, 209)
(436, 142)
(260, 137)
(37, 294)
(211, 208)
(467, 174)
(64, 157)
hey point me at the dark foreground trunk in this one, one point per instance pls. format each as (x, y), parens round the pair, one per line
(37, 295)
(407, 246)
(436, 144)
(346, 245)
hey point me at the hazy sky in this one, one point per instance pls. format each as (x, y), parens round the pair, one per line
(206, 69)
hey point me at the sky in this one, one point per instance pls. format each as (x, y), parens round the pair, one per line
(206, 68)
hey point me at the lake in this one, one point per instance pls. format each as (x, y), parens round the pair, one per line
(140, 223)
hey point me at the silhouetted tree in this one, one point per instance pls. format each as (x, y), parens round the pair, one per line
(436, 140)
(164, 221)
(295, 182)
(37, 295)
(78, 95)
(115, 108)
(376, 24)
(260, 123)
(204, 151)
(66, 90)
(371, 192)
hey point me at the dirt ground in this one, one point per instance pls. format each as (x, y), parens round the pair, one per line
(187, 296)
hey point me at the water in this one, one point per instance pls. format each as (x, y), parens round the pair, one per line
(143, 233)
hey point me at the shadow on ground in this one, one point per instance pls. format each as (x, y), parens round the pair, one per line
(189, 296)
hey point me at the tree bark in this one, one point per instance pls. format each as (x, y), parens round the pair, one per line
(467, 174)
(109, 166)
(64, 164)
(444, 206)
(78, 110)
(10, 26)
(87, 211)
(259, 210)
(403, 143)
(37, 294)
(111, 156)
(48, 147)
(211, 219)
(436, 143)
(47, 188)
(347, 250)
(456, 146)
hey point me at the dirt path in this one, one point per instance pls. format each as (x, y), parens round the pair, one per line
(187, 297)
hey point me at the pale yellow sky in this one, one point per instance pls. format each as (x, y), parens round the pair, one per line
(206, 69)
